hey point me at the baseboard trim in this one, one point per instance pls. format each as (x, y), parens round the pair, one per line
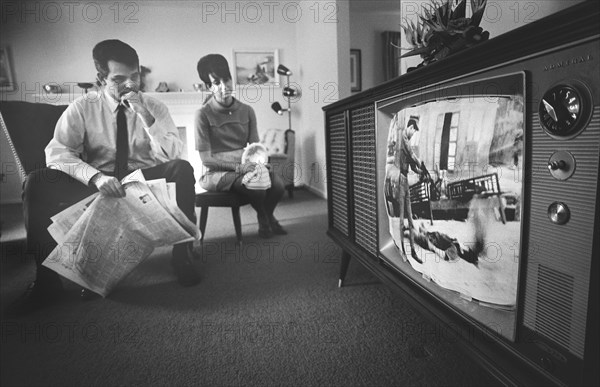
(11, 201)
(316, 191)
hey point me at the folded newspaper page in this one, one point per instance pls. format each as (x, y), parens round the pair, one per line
(165, 193)
(65, 220)
(101, 239)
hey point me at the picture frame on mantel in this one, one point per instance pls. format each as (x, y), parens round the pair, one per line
(7, 81)
(355, 70)
(256, 67)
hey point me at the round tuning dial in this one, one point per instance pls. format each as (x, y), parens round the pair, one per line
(565, 110)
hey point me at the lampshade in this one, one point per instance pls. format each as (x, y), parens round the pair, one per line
(282, 70)
(85, 85)
(276, 106)
(289, 92)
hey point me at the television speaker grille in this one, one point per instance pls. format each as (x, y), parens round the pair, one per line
(549, 323)
(364, 177)
(339, 171)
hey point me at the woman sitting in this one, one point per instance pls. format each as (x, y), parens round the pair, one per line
(224, 126)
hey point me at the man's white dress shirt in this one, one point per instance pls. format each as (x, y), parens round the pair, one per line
(85, 137)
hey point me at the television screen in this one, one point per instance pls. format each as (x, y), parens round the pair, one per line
(452, 183)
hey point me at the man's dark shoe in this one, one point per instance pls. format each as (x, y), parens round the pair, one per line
(265, 232)
(88, 295)
(277, 229)
(35, 297)
(183, 265)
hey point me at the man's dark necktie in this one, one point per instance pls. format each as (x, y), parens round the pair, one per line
(122, 143)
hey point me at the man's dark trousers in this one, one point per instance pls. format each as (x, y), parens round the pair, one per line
(49, 191)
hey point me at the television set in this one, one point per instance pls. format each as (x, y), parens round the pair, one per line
(471, 186)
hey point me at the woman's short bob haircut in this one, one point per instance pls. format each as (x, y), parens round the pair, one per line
(215, 65)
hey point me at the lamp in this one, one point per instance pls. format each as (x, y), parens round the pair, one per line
(285, 161)
(276, 106)
(282, 70)
(85, 86)
(288, 92)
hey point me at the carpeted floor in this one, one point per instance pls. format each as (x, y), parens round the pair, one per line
(269, 313)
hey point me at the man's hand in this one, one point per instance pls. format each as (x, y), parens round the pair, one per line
(132, 101)
(108, 185)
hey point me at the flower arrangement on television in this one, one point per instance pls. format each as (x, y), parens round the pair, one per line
(443, 28)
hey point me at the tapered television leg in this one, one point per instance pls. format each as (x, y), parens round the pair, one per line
(343, 268)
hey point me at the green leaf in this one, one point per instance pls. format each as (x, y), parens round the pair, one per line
(416, 51)
(478, 7)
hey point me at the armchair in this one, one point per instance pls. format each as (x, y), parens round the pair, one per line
(280, 144)
(29, 127)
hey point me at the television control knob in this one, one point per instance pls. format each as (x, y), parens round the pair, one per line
(559, 213)
(554, 165)
(561, 165)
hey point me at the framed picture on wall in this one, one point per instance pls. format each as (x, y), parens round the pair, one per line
(355, 70)
(255, 67)
(7, 82)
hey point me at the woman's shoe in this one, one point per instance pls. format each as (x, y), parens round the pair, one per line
(277, 229)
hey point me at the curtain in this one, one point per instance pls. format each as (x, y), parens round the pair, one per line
(391, 54)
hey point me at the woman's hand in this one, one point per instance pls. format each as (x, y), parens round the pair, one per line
(249, 166)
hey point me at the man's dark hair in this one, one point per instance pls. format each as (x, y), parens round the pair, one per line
(215, 65)
(113, 50)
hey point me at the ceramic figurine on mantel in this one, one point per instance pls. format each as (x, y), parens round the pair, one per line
(199, 87)
(443, 29)
(162, 87)
(52, 88)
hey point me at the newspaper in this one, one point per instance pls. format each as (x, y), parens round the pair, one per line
(101, 239)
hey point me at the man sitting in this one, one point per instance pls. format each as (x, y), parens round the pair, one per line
(100, 138)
